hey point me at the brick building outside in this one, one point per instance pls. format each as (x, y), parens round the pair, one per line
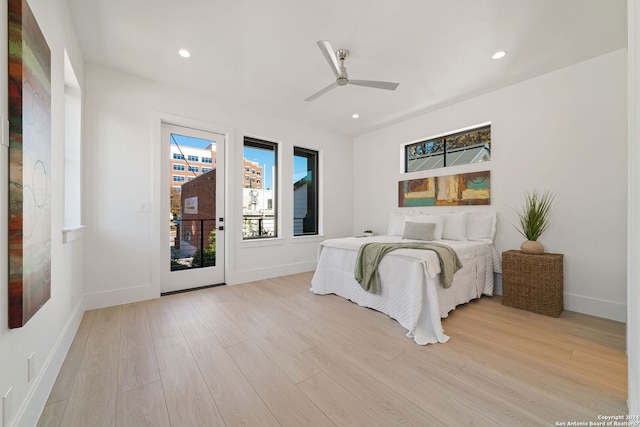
(198, 217)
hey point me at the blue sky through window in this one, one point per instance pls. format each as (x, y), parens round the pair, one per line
(187, 141)
(300, 168)
(263, 157)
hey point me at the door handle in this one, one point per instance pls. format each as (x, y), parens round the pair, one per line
(221, 228)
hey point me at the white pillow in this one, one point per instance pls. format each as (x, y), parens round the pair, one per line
(455, 226)
(396, 224)
(438, 220)
(481, 226)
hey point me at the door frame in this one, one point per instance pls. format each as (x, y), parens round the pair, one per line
(158, 176)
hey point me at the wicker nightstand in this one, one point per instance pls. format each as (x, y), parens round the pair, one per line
(533, 282)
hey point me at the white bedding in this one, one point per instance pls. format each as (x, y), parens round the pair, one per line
(411, 289)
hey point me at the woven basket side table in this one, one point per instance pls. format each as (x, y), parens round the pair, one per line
(533, 282)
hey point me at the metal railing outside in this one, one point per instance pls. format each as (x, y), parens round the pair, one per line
(193, 244)
(256, 227)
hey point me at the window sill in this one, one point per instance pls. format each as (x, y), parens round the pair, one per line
(69, 234)
(308, 238)
(265, 241)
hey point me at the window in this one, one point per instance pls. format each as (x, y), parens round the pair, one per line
(178, 167)
(178, 178)
(259, 203)
(206, 160)
(178, 156)
(191, 178)
(193, 169)
(193, 158)
(205, 170)
(460, 148)
(72, 213)
(305, 192)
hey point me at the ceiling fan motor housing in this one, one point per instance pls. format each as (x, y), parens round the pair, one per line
(342, 54)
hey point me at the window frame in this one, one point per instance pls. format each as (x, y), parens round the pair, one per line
(313, 157)
(73, 200)
(442, 139)
(272, 203)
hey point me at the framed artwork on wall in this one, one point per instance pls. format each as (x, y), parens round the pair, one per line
(450, 190)
(29, 165)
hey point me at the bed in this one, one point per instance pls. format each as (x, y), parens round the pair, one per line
(412, 292)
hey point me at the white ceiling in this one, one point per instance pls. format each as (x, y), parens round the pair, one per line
(263, 53)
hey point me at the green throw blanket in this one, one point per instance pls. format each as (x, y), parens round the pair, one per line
(370, 255)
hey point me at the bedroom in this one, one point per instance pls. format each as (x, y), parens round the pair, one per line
(566, 124)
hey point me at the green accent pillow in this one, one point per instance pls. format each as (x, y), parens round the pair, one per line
(418, 230)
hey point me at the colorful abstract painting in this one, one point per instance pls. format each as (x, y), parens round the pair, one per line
(450, 190)
(29, 165)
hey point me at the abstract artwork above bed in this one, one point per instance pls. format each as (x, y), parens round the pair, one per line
(450, 190)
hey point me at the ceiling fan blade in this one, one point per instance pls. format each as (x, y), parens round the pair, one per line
(322, 92)
(376, 84)
(330, 55)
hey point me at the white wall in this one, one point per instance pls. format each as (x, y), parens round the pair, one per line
(633, 282)
(565, 131)
(121, 170)
(48, 334)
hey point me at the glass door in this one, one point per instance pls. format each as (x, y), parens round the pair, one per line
(193, 197)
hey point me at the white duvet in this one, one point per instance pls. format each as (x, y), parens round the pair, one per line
(411, 289)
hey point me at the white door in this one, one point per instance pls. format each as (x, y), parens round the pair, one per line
(193, 199)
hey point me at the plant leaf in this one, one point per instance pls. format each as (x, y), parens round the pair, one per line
(534, 215)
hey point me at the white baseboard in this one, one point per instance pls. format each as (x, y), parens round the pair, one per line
(32, 406)
(596, 307)
(120, 296)
(145, 292)
(586, 305)
(497, 283)
(271, 272)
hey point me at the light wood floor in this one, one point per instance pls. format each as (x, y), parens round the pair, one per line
(272, 353)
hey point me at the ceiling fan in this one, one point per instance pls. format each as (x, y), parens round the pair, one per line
(336, 62)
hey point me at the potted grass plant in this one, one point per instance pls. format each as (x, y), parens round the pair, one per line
(534, 220)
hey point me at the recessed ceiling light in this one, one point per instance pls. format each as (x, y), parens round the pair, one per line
(184, 53)
(499, 54)
(355, 116)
